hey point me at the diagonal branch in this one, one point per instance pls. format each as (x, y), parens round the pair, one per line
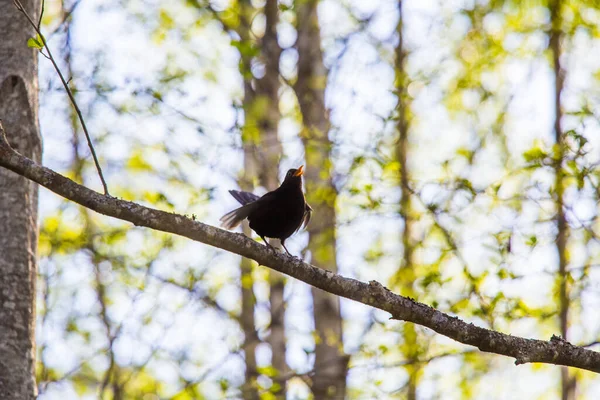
(555, 351)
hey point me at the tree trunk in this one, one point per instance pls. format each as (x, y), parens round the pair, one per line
(18, 205)
(262, 151)
(331, 365)
(568, 383)
(406, 275)
(268, 94)
(251, 340)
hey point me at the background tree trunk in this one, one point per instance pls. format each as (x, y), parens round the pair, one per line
(331, 365)
(269, 153)
(262, 151)
(18, 205)
(251, 339)
(405, 277)
(568, 383)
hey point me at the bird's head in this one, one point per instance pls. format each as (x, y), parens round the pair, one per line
(294, 176)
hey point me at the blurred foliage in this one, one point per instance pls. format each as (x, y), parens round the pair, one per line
(127, 313)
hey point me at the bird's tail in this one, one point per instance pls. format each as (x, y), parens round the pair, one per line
(235, 217)
(243, 197)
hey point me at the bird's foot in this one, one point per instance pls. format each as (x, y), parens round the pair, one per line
(271, 248)
(288, 252)
(268, 244)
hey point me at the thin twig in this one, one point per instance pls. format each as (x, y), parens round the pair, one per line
(20, 7)
(41, 14)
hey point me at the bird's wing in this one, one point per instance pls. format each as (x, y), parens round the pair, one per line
(306, 217)
(243, 197)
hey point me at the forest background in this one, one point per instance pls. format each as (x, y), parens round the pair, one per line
(451, 152)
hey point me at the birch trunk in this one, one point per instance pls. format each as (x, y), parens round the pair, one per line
(18, 205)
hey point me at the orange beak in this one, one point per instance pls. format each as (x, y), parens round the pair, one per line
(299, 171)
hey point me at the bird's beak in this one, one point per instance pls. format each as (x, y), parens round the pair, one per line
(299, 171)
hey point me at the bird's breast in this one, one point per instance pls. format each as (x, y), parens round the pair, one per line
(280, 217)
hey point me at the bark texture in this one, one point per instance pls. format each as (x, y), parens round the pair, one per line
(331, 364)
(18, 205)
(555, 351)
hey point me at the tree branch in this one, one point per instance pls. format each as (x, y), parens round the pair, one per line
(555, 351)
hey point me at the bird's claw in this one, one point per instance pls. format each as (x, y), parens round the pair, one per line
(271, 248)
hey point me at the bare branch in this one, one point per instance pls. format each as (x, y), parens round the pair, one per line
(20, 7)
(555, 351)
(41, 14)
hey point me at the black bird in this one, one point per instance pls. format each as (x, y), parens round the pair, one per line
(277, 214)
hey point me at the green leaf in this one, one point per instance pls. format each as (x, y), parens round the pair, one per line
(165, 20)
(534, 154)
(138, 163)
(35, 43)
(466, 153)
(245, 48)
